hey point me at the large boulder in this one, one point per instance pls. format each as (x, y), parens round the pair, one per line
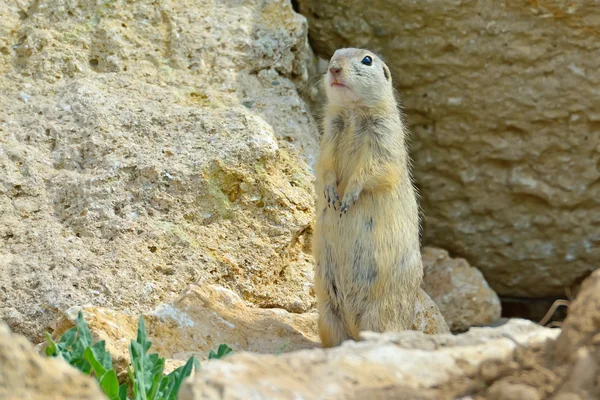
(502, 100)
(148, 145)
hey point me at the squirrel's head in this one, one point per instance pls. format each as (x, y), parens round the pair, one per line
(359, 77)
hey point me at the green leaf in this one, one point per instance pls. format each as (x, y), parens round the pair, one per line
(110, 384)
(77, 348)
(123, 392)
(67, 339)
(51, 349)
(155, 375)
(90, 356)
(166, 386)
(76, 352)
(147, 368)
(177, 377)
(101, 362)
(85, 335)
(103, 356)
(141, 335)
(222, 351)
(82, 365)
(136, 352)
(73, 343)
(166, 383)
(130, 371)
(145, 372)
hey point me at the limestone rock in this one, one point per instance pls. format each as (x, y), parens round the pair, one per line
(460, 291)
(503, 390)
(205, 317)
(502, 105)
(146, 146)
(24, 374)
(582, 325)
(563, 369)
(409, 359)
(518, 359)
(428, 316)
(198, 322)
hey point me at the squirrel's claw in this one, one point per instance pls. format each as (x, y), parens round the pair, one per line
(349, 199)
(331, 195)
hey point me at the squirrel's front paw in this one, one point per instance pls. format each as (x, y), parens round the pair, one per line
(350, 198)
(331, 195)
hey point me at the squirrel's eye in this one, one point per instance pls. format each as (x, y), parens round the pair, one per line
(367, 60)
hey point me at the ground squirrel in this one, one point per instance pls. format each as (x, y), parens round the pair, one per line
(366, 237)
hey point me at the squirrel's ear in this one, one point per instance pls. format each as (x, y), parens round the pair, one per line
(386, 72)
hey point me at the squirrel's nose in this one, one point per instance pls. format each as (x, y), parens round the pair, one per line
(335, 70)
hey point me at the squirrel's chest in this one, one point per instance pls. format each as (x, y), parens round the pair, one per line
(353, 148)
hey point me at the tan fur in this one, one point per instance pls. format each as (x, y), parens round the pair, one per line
(366, 238)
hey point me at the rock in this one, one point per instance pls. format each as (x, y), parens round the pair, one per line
(460, 291)
(503, 390)
(564, 369)
(581, 380)
(205, 317)
(518, 359)
(380, 363)
(198, 322)
(147, 146)
(582, 325)
(428, 318)
(505, 142)
(24, 374)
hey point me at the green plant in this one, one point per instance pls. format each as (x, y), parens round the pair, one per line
(147, 379)
(149, 383)
(75, 346)
(222, 351)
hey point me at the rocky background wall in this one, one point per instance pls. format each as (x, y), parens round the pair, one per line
(503, 104)
(156, 158)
